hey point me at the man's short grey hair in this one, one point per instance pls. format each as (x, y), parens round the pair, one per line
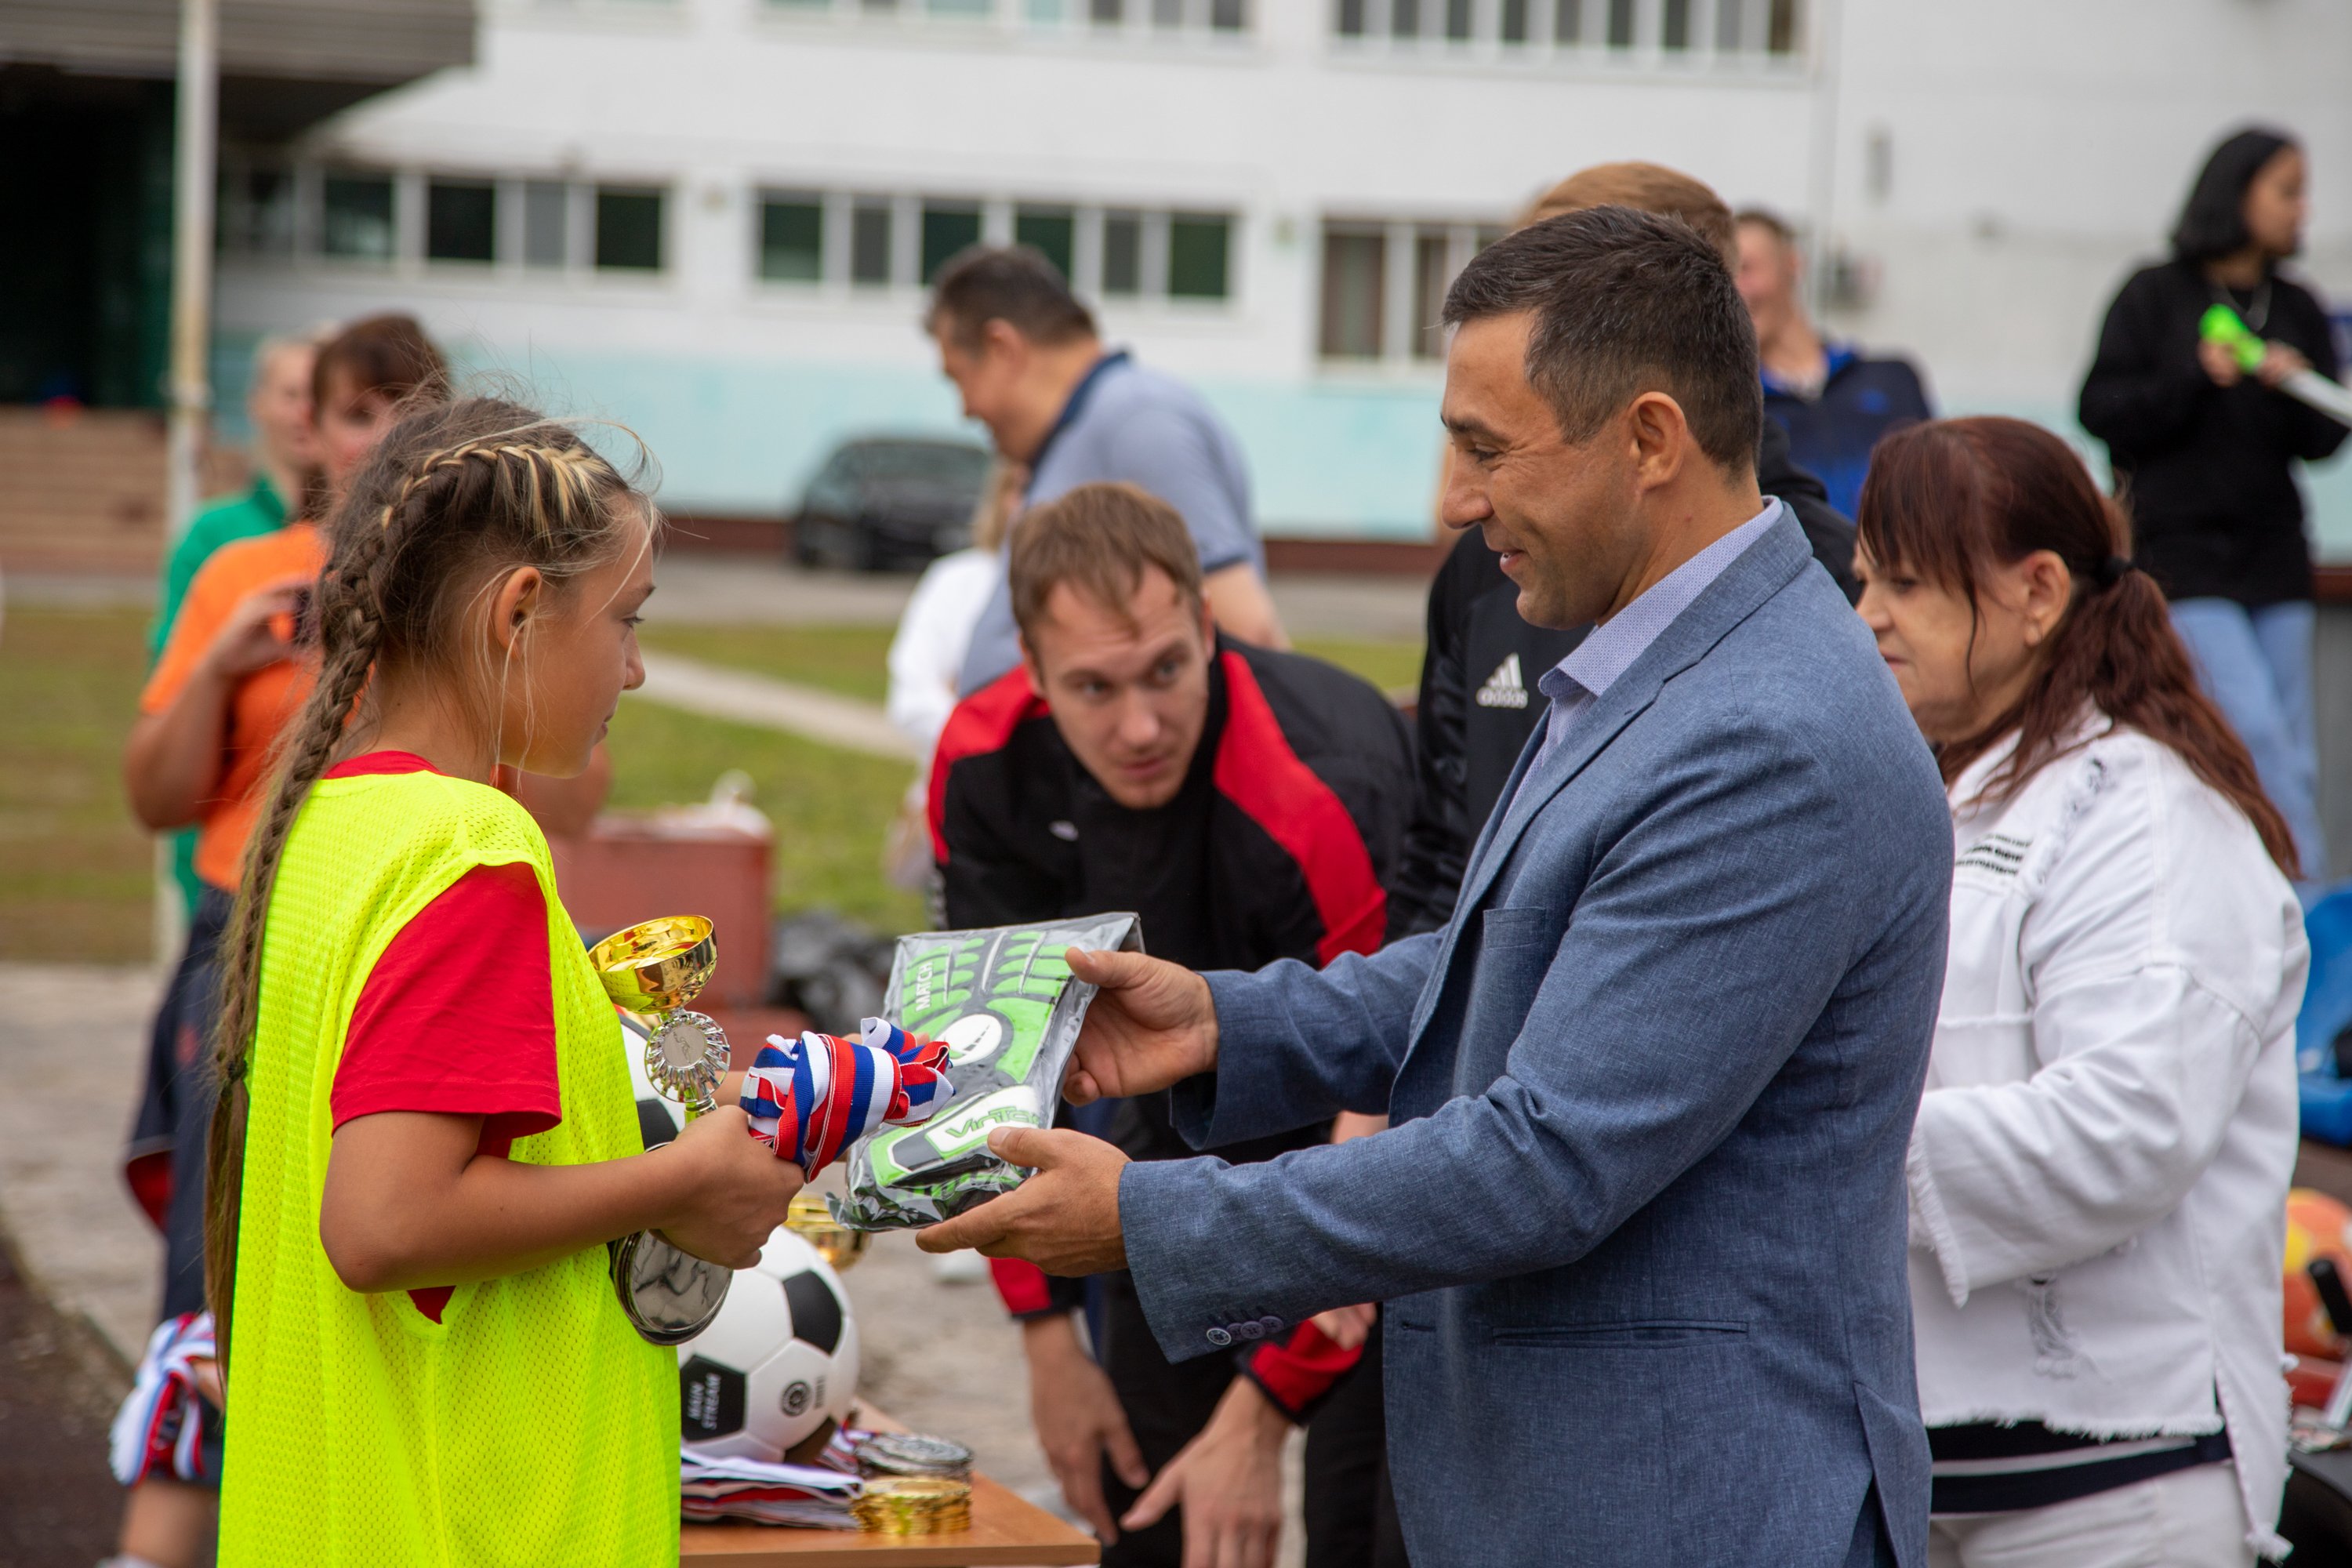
(1625, 303)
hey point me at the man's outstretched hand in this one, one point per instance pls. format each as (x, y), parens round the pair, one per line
(1064, 1219)
(1151, 1025)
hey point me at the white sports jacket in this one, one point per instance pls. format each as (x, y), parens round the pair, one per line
(2099, 1171)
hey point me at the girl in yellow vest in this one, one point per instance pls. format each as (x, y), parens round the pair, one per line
(426, 1132)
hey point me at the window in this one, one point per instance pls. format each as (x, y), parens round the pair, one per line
(960, 7)
(1122, 259)
(628, 228)
(1355, 289)
(1197, 246)
(256, 210)
(1052, 230)
(1674, 24)
(1780, 27)
(1352, 19)
(460, 220)
(1727, 23)
(1228, 15)
(1432, 274)
(1167, 13)
(1620, 24)
(546, 223)
(1514, 21)
(1458, 20)
(356, 215)
(869, 243)
(1107, 13)
(1384, 286)
(948, 227)
(1568, 22)
(1405, 18)
(792, 239)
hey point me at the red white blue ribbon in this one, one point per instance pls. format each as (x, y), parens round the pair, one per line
(810, 1099)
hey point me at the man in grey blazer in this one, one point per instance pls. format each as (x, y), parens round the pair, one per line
(1640, 1221)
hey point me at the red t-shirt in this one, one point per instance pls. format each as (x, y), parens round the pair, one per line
(458, 1015)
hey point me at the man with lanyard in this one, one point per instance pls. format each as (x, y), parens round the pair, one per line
(1245, 803)
(1029, 363)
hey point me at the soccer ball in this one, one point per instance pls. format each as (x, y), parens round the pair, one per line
(777, 1369)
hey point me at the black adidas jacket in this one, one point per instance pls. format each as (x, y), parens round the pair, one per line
(1478, 696)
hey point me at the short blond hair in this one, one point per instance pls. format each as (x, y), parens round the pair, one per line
(1646, 187)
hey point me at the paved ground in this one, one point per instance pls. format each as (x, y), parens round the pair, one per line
(58, 1388)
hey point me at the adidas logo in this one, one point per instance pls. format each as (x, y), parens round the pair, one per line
(1504, 689)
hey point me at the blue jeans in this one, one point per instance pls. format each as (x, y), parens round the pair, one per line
(2256, 665)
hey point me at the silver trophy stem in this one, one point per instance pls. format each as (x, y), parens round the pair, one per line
(670, 1295)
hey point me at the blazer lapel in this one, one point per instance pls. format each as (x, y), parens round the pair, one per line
(1761, 571)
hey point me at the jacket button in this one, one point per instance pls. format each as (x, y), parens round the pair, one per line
(1249, 1331)
(1271, 1325)
(1220, 1338)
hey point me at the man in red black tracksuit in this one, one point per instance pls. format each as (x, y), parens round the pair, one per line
(1247, 804)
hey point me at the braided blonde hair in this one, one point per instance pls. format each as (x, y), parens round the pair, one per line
(455, 496)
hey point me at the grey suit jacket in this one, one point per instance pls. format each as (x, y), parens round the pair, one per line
(1640, 1223)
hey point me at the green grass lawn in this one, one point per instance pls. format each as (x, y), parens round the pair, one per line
(845, 659)
(849, 660)
(76, 874)
(76, 879)
(831, 808)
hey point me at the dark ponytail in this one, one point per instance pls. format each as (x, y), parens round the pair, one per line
(454, 492)
(1946, 500)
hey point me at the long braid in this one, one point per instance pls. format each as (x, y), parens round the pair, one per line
(549, 484)
(350, 640)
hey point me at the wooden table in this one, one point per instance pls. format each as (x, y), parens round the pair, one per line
(1006, 1532)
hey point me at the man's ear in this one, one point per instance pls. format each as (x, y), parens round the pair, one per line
(1208, 626)
(1035, 671)
(1001, 337)
(1661, 439)
(521, 594)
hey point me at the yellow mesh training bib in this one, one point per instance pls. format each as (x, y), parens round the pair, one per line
(530, 1425)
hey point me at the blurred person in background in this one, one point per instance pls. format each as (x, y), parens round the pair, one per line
(1026, 359)
(1479, 671)
(927, 654)
(285, 464)
(2109, 1129)
(1833, 400)
(1246, 804)
(2205, 454)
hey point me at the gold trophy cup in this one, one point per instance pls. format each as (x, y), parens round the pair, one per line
(654, 969)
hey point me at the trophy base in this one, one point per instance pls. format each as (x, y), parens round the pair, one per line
(669, 1296)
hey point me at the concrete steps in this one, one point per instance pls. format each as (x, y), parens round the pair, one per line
(81, 490)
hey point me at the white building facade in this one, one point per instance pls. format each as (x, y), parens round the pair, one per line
(711, 219)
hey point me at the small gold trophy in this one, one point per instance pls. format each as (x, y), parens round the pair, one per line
(835, 1242)
(655, 969)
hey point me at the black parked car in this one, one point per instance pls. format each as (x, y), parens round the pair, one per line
(886, 499)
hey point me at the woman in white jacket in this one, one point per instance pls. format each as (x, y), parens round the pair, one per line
(2102, 1157)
